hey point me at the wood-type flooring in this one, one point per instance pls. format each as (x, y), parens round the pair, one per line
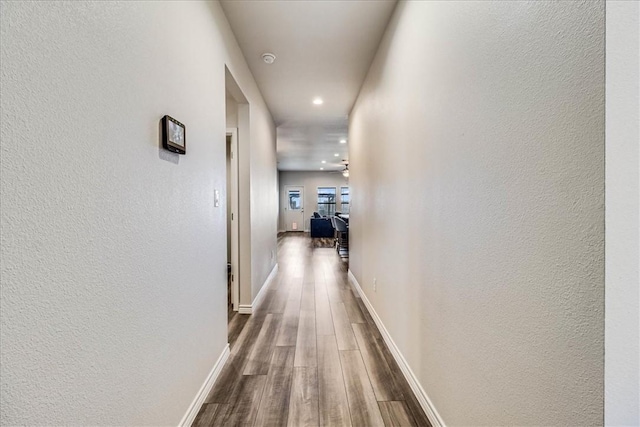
(310, 355)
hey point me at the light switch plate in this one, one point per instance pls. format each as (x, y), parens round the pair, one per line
(216, 198)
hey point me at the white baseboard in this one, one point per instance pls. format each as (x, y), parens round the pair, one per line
(195, 406)
(245, 309)
(250, 308)
(421, 395)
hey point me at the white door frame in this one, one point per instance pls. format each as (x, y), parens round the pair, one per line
(235, 230)
(286, 207)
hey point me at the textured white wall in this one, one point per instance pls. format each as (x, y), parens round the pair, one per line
(477, 175)
(113, 255)
(310, 181)
(231, 108)
(622, 333)
(264, 198)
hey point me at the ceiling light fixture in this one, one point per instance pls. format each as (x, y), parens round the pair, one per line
(345, 172)
(336, 155)
(324, 161)
(268, 58)
(318, 101)
(321, 169)
(343, 141)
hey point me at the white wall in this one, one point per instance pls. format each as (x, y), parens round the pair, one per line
(113, 254)
(264, 197)
(477, 175)
(310, 181)
(622, 355)
(231, 111)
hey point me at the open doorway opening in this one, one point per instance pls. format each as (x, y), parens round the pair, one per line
(233, 255)
(235, 320)
(238, 204)
(233, 294)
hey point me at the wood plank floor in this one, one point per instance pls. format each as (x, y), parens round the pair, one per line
(310, 355)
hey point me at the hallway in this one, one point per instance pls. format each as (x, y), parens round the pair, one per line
(311, 354)
(486, 154)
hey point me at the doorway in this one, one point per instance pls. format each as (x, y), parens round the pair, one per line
(294, 208)
(233, 291)
(237, 140)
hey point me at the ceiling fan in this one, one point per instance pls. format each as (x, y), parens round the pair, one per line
(345, 171)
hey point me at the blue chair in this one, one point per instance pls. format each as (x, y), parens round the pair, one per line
(320, 227)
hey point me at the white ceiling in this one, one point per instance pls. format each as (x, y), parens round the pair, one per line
(323, 49)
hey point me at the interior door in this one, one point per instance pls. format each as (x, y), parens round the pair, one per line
(294, 208)
(232, 216)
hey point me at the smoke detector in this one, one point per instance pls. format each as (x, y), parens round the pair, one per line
(268, 58)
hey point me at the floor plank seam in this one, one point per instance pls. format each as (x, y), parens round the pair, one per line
(312, 284)
(345, 387)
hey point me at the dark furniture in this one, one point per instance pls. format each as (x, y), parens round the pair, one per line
(344, 217)
(321, 227)
(342, 236)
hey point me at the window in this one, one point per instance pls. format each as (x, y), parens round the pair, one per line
(327, 201)
(344, 200)
(294, 199)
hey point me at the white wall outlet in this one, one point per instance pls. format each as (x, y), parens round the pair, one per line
(375, 285)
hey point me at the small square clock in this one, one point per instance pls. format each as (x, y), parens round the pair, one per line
(174, 135)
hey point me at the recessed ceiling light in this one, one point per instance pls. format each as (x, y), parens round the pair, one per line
(269, 58)
(318, 101)
(343, 141)
(321, 169)
(324, 161)
(336, 155)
